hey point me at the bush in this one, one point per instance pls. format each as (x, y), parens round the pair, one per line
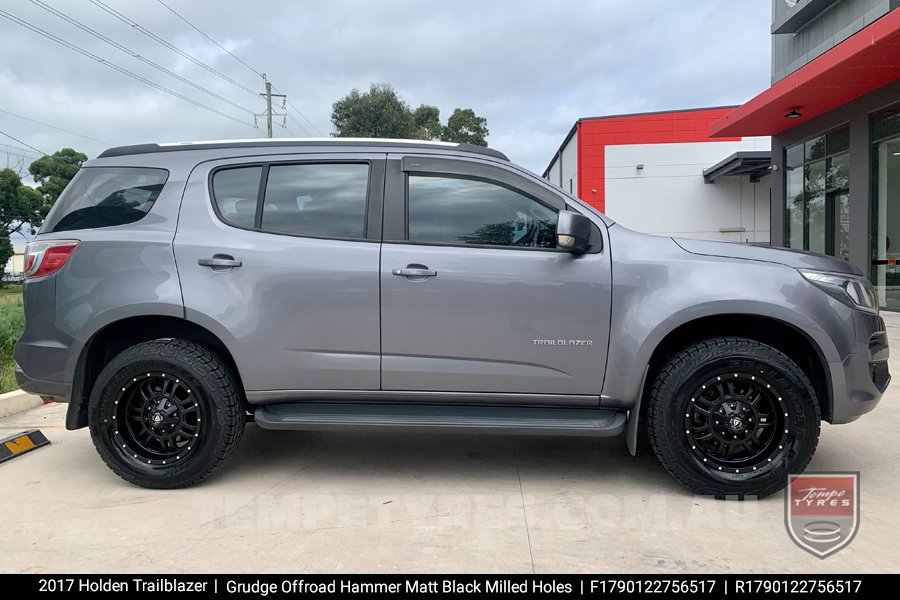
(12, 321)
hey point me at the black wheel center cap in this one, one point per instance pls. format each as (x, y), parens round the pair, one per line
(736, 423)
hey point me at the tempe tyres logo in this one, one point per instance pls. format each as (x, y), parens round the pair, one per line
(822, 511)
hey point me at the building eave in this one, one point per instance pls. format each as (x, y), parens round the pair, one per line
(862, 63)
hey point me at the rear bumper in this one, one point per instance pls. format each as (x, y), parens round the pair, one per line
(43, 353)
(58, 390)
(861, 379)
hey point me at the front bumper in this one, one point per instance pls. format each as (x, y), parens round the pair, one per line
(860, 380)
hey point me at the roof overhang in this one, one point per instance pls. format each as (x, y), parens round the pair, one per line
(860, 64)
(753, 163)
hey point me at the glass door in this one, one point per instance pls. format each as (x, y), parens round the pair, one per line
(839, 228)
(818, 194)
(886, 207)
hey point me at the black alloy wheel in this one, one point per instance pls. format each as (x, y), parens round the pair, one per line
(736, 422)
(166, 413)
(158, 419)
(732, 417)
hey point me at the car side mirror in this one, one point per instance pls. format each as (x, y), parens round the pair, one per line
(573, 231)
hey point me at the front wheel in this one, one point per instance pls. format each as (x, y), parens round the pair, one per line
(732, 417)
(165, 413)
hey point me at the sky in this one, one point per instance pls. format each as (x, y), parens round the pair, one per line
(531, 67)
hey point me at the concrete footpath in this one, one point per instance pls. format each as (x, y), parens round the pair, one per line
(12, 403)
(303, 502)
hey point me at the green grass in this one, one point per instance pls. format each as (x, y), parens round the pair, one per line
(12, 320)
(11, 289)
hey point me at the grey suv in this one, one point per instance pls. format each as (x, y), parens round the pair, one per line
(175, 291)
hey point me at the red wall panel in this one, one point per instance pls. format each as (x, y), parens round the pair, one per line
(594, 135)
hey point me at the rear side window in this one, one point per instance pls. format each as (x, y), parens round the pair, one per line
(104, 197)
(326, 200)
(318, 200)
(235, 192)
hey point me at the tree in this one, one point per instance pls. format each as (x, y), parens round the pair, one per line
(6, 249)
(465, 127)
(20, 205)
(428, 122)
(53, 173)
(492, 234)
(381, 112)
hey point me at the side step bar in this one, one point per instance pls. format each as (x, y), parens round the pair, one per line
(468, 419)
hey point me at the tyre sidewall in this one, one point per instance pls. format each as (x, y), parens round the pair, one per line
(798, 400)
(120, 372)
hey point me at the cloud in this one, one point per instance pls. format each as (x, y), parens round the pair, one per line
(531, 68)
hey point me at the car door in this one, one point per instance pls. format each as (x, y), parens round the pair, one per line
(278, 257)
(475, 295)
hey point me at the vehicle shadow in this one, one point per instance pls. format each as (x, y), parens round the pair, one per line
(450, 459)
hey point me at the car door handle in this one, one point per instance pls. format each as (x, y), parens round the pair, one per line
(411, 271)
(219, 262)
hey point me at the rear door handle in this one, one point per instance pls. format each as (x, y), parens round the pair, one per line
(417, 271)
(219, 262)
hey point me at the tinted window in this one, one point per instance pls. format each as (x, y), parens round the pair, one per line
(235, 192)
(886, 124)
(456, 210)
(326, 200)
(105, 196)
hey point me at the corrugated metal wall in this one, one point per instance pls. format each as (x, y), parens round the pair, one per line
(836, 22)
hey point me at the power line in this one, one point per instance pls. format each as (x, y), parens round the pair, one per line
(197, 29)
(287, 113)
(115, 67)
(10, 148)
(171, 47)
(263, 75)
(283, 126)
(302, 127)
(155, 37)
(134, 54)
(23, 143)
(87, 137)
(306, 119)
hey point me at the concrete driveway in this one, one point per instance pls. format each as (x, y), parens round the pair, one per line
(301, 502)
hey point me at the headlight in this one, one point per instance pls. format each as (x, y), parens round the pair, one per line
(856, 291)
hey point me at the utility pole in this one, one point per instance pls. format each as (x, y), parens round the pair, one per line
(269, 114)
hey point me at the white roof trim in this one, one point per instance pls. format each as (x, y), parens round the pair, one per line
(327, 139)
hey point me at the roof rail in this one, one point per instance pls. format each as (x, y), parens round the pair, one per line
(298, 142)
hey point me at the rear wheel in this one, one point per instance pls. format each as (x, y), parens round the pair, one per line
(165, 413)
(731, 417)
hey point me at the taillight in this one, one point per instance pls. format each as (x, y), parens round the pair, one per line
(44, 258)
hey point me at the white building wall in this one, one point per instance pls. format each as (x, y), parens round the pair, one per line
(16, 263)
(670, 197)
(570, 166)
(553, 173)
(564, 168)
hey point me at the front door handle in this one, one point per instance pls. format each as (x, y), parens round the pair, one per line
(219, 262)
(417, 271)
